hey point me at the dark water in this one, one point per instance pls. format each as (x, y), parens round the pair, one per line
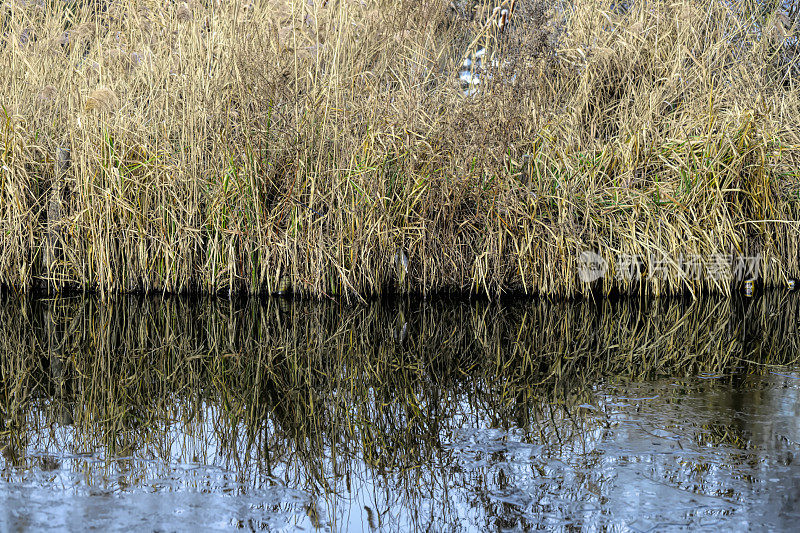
(172, 415)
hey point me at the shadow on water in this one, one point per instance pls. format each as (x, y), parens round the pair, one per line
(163, 414)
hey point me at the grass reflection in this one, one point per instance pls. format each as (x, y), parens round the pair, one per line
(403, 404)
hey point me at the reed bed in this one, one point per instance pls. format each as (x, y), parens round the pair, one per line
(316, 396)
(326, 148)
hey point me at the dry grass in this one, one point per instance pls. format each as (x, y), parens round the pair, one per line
(268, 146)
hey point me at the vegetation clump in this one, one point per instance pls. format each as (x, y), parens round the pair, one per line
(286, 145)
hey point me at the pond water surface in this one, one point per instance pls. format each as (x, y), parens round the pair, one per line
(178, 414)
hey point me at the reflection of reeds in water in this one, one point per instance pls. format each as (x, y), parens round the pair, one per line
(306, 392)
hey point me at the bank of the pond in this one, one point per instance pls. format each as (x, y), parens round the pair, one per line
(330, 148)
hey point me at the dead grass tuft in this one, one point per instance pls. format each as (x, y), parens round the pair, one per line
(184, 12)
(102, 99)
